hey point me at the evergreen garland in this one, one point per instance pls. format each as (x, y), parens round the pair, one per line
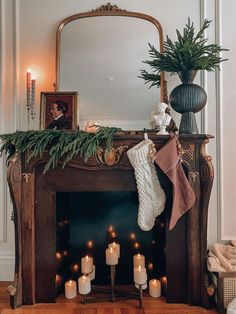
(60, 144)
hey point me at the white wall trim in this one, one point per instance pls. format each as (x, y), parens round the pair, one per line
(218, 90)
(3, 201)
(203, 81)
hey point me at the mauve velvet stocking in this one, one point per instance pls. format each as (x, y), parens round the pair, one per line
(168, 160)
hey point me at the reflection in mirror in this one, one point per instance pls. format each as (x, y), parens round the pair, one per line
(101, 57)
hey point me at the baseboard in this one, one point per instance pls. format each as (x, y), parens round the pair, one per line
(7, 264)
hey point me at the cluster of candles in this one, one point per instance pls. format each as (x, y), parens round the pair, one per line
(112, 258)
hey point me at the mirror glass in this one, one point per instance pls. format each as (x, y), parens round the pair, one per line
(100, 57)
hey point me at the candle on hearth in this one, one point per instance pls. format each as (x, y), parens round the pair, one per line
(84, 284)
(111, 256)
(92, 274)
(155, 288)
(116, 247)
(70, 289)
(139, 260)
(140, 275)
(86, 265)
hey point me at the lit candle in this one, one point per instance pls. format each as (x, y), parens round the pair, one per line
(116, 247)
(92, 274)
(140, 275)
(70, 289)
(86, 265)
(32, 103)
(111, 256)
(139, 260)
(28, 86)
(155, 288)
(84, 284)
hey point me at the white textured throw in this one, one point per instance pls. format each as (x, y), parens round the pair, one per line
(222, 257)
(231, 309)
(151, 196)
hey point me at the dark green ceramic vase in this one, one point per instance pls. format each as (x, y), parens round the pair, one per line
(187, 99)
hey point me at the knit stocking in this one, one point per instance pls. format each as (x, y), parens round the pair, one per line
(151, 196)
(168, 159)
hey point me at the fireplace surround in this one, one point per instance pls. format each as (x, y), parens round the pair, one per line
(34, 200)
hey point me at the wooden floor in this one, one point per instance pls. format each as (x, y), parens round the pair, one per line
(63, 306)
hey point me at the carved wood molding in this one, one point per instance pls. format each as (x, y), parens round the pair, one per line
(189, 151)
(111, 157)
(108, 8)
(207, 170)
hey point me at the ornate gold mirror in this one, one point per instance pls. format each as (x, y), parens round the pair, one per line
(99, 55)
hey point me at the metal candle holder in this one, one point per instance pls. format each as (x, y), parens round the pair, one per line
(113, 293)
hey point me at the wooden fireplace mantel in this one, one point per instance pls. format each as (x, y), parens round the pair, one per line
(33, 194)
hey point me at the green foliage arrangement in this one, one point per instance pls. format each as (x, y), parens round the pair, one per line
(59, 144)
(188, 52)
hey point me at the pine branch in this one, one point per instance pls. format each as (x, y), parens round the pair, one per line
(60, 145)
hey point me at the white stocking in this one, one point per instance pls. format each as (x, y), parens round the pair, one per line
(151, 196)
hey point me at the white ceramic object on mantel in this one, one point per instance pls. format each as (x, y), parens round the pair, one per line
(161, 119)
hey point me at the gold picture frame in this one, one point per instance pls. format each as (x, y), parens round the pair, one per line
(62, 104)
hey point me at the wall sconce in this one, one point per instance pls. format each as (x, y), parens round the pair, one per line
(30, 95)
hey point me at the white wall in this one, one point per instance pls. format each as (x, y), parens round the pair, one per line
(28, 29)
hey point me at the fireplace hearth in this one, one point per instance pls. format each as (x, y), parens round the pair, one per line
(181, 254)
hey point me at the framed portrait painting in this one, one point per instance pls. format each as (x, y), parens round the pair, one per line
(58, 110)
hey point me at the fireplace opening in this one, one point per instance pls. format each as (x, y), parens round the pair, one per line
(88, 221)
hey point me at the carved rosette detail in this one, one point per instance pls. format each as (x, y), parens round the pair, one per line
(108, 8)
(111, 157)
(26, 176)
(194, 175)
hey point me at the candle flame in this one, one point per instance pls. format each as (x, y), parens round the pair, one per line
(139, 268)
(114, 243)
(132, 236)
(75, 267)
(154, 281)
(136, 245)
(90, 244)
(87, 257)
(84, 277)
(113, 234)
(110, 228)
(58, 255)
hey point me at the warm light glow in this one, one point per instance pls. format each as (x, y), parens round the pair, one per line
(110, 228)
(28, 70)
(139, 268)
(65, 253)
(90, 244)
(132, 236)
(87, 257)
(164, 279)
(150, 266)
(66, 222)
(136, 245)
(60, 224)
(113, 234)
(84, 277)
(58, 278)
(58, 255)
(75, 267)
(154, 281)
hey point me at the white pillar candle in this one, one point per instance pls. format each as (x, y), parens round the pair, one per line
(84, 284)
(86, 265)
(116, 247)
(111, 256)
(70, 289)
(155, 288)
(140, 275)
(139, 260)
(92, 274)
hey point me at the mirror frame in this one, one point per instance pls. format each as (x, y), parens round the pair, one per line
(111, 10)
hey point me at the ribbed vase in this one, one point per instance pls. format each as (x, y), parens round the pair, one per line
(187, 99)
